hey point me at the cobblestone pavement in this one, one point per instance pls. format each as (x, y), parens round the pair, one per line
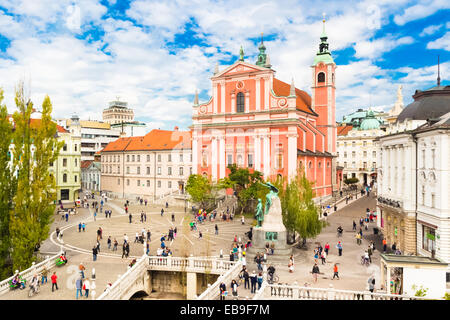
(353, 275)
(109, 264)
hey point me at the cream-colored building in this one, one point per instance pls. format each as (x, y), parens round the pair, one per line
(118, 112)
(149, 166)
(413, 177)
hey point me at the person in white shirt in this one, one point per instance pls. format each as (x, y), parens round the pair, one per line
(87, 287)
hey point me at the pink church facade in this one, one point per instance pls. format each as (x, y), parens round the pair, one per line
(259, 122)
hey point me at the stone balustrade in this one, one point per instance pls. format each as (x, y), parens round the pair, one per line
(213, 292)
(134, 275)
(291, 292)
(27, 274)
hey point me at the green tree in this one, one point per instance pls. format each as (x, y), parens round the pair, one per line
(300, 213)
(7, 189)
(35, 147)
(199, 188)
(245, 184)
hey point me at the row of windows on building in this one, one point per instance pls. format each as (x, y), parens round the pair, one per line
(75, 147)
(374, 165)
(137, 158)
(109, 169)
(374, 154)
(147, 183)
(353, 144)
(65, 162)
(65, 178)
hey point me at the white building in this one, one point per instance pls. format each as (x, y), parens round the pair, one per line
(356, 151)
(95, 135)
(91, 175)
(414, 177)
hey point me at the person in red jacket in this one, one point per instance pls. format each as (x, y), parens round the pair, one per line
(54, 277)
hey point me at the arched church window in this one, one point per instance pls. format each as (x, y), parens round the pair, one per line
(321, 77)
(240, 102)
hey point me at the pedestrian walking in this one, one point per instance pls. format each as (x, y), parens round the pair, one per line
(253, 281)
(339, 247)
(222, 290)
(246, 279)
(148, 235)
(124, 249)
(384, 245)
(162, 211)
(115, 245)
(94, 253)
(109, 242)
(234, 287)
(371, 282)
(291, 264)
(81, 267)
(173, 217)
(130, 217)
(335, 272)
(315, 272)
(216, 229)
(260, 280)
(79, 287)
(354, 225)
(83, 226)
(327, 248)
(44, 274)
(323, 257)
(86, 287)
(54, 279)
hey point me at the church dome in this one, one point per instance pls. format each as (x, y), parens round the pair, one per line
(428, 104)
(370, 123)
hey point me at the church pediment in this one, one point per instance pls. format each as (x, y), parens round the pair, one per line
(239, 68)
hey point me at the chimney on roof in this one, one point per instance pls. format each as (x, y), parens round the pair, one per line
(292, 90)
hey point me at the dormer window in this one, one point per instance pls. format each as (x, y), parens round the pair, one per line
(240, 103)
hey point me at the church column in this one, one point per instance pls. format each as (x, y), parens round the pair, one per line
(266, 93)
(215, 98)
(214, 158)
(292, 155)
(247, 101)
(222, 164)
(194, 155)
(257, 148)
(258, 94)
(233, 103)
(266, 157)
(222, 96)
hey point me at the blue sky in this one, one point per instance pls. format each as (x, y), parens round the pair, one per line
(154, 55)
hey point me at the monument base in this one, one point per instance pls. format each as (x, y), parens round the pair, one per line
(259, 240)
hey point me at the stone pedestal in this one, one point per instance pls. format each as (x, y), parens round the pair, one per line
(272, 231)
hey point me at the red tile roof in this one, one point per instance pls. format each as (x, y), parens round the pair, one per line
(303, 101)
(37, 122)
(85, 164)
(343, 130)
(154, 140)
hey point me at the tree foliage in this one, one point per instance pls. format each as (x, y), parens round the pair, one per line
(300, 213)
(199, 188)
(245, 184)
(35, 147)
(351, 181)
(7, 189)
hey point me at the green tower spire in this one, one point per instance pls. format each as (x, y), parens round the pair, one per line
(262, 53)
(324, 54)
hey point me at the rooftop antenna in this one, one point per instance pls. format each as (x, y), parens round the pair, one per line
(438, 78)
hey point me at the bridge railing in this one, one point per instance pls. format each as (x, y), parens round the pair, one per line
(27, 274)
(125, 281)
(291, 292)
(213, 292)
(193, 264)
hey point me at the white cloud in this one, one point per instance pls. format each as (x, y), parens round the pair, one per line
(376, 48)
(421, 10)
(430, 30)
(441, 43)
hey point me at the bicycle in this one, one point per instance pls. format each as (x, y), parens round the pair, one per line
(33, 290)
(273, 279)
(365, 262)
